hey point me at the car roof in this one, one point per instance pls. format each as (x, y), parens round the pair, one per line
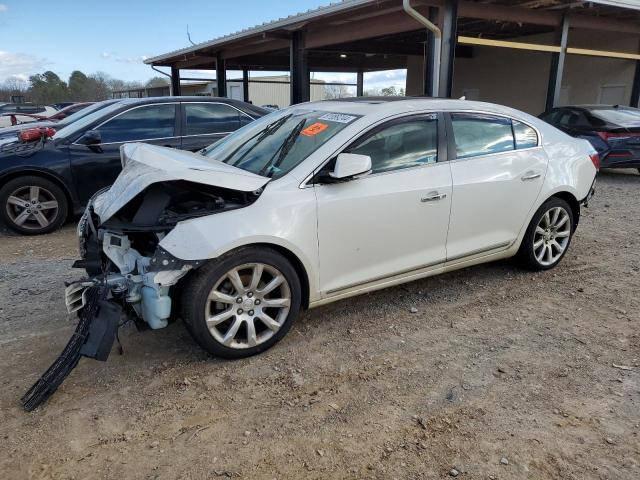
(246, 107)
(396, 104)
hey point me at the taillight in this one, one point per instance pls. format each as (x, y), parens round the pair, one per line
(32, 134)
(595, 159)
(607, 135)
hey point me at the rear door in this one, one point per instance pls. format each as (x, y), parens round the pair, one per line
(205, 123)
(497, 173)
(96, 166)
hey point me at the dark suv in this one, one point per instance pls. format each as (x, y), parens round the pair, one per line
(43, 179)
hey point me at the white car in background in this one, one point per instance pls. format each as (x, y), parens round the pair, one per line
(322, 201)
(23, 113)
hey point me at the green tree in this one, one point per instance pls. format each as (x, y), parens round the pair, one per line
(78, 83)
(48, 88)
(154, 82)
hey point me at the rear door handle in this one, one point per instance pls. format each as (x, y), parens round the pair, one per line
(433, 197)
(530, 176)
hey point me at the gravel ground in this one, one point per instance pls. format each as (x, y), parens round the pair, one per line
(499, 374)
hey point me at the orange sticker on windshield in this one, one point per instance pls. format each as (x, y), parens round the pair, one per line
(314, 129)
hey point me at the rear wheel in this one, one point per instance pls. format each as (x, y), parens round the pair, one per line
(242, 303)
(548, 236)
(33, 205)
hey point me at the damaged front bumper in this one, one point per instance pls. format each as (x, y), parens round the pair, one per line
(138, 281)
(129, 285)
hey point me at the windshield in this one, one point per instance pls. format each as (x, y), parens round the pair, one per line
(625, 117)
(85, 120)
(74, 117)
(275, 144)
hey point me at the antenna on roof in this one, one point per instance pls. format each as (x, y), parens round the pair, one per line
(189, 36)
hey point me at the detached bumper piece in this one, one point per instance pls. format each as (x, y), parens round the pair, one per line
(97, 327)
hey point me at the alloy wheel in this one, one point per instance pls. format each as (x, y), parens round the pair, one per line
(551, 237)
(248, 305)
(32, 207)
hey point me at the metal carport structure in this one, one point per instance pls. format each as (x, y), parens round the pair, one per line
(371, 35)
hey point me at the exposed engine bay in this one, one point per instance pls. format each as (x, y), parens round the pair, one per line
(124, 254)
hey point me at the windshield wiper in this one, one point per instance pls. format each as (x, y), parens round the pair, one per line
(259, 137)
(284, 149)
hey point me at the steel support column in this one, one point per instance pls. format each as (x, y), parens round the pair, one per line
(557, 67)
(449, 29)
(298, 69)
(429, 49)
(635, 88)
(245, 85)
(175, 81)
(360, 83)
(221, 75)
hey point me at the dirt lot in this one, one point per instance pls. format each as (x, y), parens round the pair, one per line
(500, 374)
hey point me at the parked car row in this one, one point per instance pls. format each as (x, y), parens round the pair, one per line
(56, 171)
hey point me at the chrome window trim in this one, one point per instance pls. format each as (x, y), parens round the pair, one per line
(207, 134)
(142, 140)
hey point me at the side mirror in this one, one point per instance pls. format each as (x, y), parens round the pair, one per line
(90, 137)
(348, 165)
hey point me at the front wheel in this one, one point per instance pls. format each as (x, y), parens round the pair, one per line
(242, 303)
(548, 236)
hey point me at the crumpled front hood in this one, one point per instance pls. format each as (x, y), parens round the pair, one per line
(146, 164)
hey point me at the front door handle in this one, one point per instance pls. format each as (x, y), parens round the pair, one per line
(530, 176)
(433, 197)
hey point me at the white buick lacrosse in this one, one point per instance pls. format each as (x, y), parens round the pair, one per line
(319, 202)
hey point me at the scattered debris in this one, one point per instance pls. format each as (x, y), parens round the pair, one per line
(504, 461)
(622, 367)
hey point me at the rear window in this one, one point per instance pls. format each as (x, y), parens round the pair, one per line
(478, 134)
(526, 136)
(624, 117)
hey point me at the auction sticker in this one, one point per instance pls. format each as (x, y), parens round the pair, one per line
(337, 117)
(314, 129)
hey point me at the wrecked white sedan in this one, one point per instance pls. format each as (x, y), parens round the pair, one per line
(316, 203)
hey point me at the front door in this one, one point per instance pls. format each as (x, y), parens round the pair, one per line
(96, 166)
(392, 221)
(497, 175)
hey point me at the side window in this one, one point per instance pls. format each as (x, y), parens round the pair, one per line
(478, 134)
(8, 108)
(401, 145)
(526, 137)
(572, 118)
(205, 118)
(142, 123)
(550, 117)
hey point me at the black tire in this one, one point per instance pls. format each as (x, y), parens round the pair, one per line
(48, 191)
(197, 288)
(526, 254)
